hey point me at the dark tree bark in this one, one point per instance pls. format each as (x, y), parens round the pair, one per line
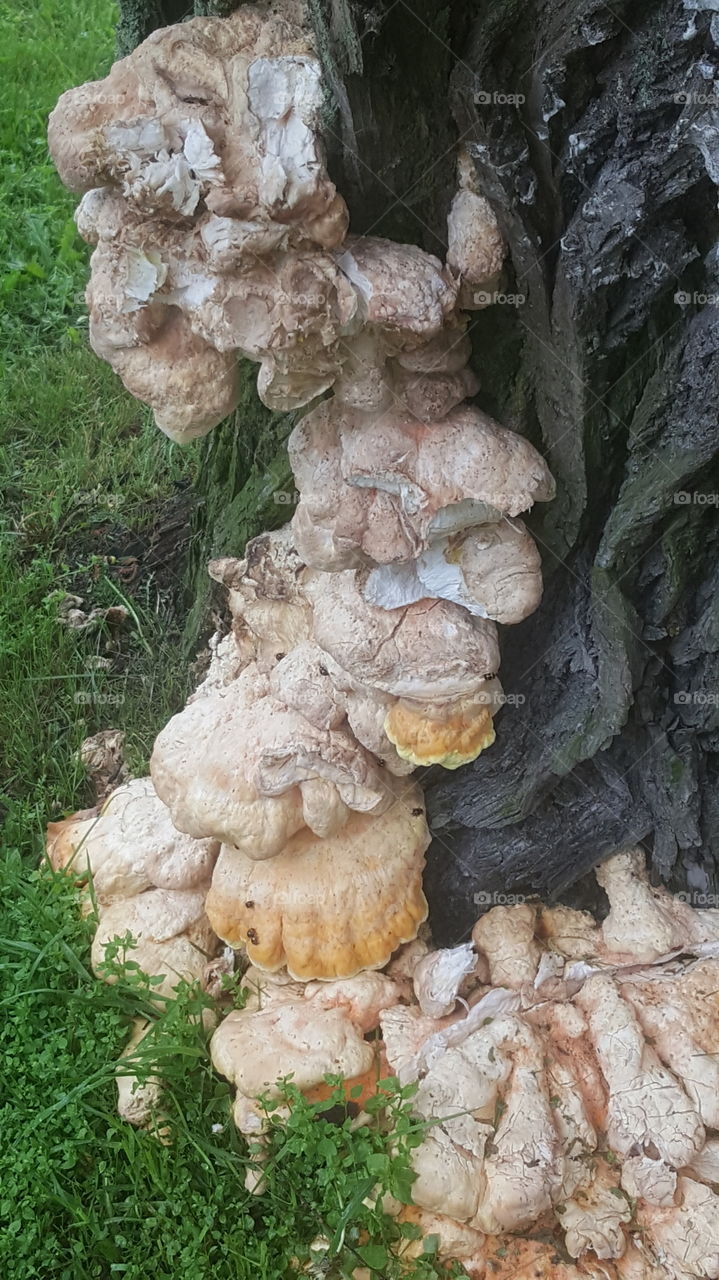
(138, 18)
(595, 135)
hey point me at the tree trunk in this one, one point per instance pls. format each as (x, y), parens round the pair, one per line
(138, 18)
(595, 135)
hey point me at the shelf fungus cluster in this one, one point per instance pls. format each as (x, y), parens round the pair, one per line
(219, 233)
(568, 1070)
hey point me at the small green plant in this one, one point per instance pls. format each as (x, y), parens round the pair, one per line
(327, 1168)
(84, 1195)
(335, 1174)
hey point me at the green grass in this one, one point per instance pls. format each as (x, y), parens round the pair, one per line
(87, 483)
(85, 477)
(85, 1196)
(45, 47)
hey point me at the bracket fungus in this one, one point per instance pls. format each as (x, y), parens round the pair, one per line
(240, 766)
(569, 1132)
(148, 880)
(566, 1068)
(129, 845)
(475, 246)
(380, 489)
(218, 232)
(204, 180)
(328, 908)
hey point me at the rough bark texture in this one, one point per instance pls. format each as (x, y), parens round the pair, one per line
(138, 18)
(602, 179)
(595, 133)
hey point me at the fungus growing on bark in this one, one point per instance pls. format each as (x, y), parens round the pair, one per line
(364, 642)
(379, 489)
(204, 177)
(492, 571)
(505, 935)
(306, 1032)
(130, 845)
(644, 922)
(137, 1103)
(217, 231)
(439, 978)
(149, 883)
(172, 935)
(187, 383)
(327, 907)
(241, 766)
(431, 651)
(522, 1103)
(683, 1236)
(433, 659)
(271, 613)
(415, 684)
(475, 247)
(215, 114)
(555, 1115)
